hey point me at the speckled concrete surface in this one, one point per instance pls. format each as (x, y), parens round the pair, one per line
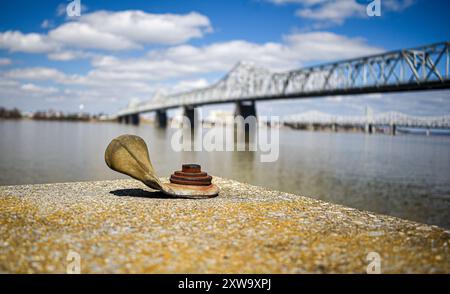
(118, 227)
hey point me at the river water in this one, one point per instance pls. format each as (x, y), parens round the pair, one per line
(406, 176)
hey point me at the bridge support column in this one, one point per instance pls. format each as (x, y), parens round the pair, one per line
(393, 129)
(245, 109)
(161, 118)
(247, 128)
(191, 113)
(369, 128)
(134, 119)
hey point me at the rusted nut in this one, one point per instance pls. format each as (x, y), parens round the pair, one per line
(191, 168)
(191, 174)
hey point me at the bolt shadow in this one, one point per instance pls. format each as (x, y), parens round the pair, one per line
(139, 193)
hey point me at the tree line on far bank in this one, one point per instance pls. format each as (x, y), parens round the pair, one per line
(10, 113)
(45, 115)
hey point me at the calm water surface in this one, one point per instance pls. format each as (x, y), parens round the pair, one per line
(404, 176)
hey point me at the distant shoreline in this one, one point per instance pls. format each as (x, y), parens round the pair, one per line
(312, 128)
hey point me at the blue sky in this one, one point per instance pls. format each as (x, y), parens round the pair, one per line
(122, 50)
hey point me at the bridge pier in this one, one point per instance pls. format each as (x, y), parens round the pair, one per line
(161, 118)
(191, 113)
(245, 109)
(368, 128)
(129, 119)
(246, 128)
(134, 119)
(393, 129)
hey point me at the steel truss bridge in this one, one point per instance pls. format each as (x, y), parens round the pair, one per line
(382, 119)
(415, 69)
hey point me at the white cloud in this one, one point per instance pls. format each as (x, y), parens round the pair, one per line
(146, 28)
(32, 88)
(15, 41)
(82, 35)
(334, 11)
(327, 46)
(328, 12)
(36, 74)
(5, 61)
(66, 55)
(187, 60)
(186, 85)
(7, 83)
(105, 30)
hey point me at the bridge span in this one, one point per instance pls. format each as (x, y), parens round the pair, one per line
(415, 69)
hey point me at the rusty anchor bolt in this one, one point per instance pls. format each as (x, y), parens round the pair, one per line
(192, 175)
